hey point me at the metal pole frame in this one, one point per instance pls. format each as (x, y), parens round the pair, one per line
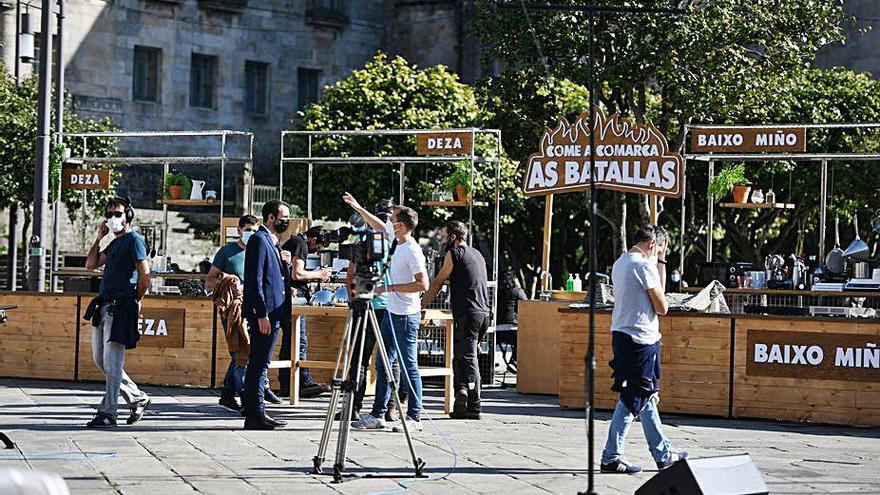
(223, 159)
(59, 141)
(401, 161)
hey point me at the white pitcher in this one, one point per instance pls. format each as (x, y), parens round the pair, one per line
(198, 186)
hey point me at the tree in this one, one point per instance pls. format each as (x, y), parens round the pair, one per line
(674, 70)
(391, 94)
(18, 135)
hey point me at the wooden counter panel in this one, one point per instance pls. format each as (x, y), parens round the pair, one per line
(187, 366)
(695, 354)
(39, 340)
(538, 344)
(804, 398)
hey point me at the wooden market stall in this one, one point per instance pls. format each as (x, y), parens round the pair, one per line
(777, 355)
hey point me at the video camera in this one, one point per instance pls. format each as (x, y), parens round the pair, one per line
(367, 252)
(328, 237)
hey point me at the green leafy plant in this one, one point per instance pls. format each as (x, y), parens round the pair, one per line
(461, 176)
(724, 182)
(177, 179)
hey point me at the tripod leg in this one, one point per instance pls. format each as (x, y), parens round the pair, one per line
(318, 460)
(349, 387)
(418, 463)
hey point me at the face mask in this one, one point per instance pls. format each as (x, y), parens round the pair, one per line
(389, 227)
(245, 236)
(676, 277)
(281, 226)
(116, 225)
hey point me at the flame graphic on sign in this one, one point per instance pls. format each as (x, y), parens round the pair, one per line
(612, 130)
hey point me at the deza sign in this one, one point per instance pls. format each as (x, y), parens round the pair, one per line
(628, 157)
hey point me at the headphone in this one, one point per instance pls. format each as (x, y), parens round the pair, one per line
(126, 203)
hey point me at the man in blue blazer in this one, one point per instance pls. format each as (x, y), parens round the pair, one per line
(267, 301)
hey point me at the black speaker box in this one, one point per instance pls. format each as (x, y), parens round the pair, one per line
(723, 475)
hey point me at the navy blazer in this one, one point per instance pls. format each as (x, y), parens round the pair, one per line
(266, 279)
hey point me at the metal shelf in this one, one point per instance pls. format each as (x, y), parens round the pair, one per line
(192, 202)
(453, 204)
(762, 206)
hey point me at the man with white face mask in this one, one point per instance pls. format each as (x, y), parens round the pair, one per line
(229, 260)
(115, 312)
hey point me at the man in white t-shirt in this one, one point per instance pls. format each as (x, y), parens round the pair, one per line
(406, 280)
(639, 277)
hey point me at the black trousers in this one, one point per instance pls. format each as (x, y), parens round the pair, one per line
(361, 363)
(468, 330)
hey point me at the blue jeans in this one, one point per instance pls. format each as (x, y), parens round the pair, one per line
(406, 331)
(623, 419)
(256, 375)
(233, 383)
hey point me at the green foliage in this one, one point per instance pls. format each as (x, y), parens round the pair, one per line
(461, 176)
(730, 176)
(390, 93)
(724, 61)
(18, 136)
(175, 178)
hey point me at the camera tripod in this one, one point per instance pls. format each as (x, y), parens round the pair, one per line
(361, 319)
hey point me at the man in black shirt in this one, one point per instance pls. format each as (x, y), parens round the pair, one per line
(465, 269)
(300, 245)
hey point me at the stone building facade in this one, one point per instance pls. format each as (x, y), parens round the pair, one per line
(861, 49)
(234, 64)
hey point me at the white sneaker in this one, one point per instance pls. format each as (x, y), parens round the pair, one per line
(411, 424)
(368, 422)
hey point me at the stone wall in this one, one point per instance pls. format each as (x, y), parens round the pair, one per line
(861, 50)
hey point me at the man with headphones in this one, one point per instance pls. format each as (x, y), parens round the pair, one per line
(115, 312)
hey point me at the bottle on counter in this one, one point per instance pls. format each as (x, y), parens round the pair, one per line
(569, 284)
(578, 283)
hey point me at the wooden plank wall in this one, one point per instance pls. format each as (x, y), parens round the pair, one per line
(187, 366)
(39, 340)
(798, 399)
(695, 354)
(538, 347)
(573, 339)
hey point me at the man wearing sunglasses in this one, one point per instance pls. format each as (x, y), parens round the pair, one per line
(115, 312)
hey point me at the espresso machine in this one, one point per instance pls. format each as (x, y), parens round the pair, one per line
(776, 267)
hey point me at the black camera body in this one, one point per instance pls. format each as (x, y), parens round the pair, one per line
(333, 236)
(367, 252)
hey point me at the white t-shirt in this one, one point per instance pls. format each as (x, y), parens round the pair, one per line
(407, 262)
(633, 313)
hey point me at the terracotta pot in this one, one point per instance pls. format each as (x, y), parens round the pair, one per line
(741, 194)
(460, 193)
(175, 191)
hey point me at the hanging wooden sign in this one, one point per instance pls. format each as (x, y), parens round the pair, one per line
(749, 140)
(76, 178)
(445, 143)
(629, 157)
(812, 355)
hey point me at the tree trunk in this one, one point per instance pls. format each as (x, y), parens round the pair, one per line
(25, 226)
(621, 244)
(12, 256)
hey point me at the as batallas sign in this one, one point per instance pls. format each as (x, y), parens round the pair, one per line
(629, 157)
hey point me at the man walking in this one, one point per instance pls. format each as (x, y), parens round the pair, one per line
(229, 260)
(266, 303)
(408, 277)
(639, 277)
(115, 312)
(465, 268)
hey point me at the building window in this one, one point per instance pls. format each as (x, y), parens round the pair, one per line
(202, 80)
(256, 87)
(326, 13)
(334, 5)
(145, 76)
(307, 83)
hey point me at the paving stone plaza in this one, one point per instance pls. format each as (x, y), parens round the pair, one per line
(524, 444)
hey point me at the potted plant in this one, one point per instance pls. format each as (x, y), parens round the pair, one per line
(731, 178)
(176, 185)
(460, 181)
